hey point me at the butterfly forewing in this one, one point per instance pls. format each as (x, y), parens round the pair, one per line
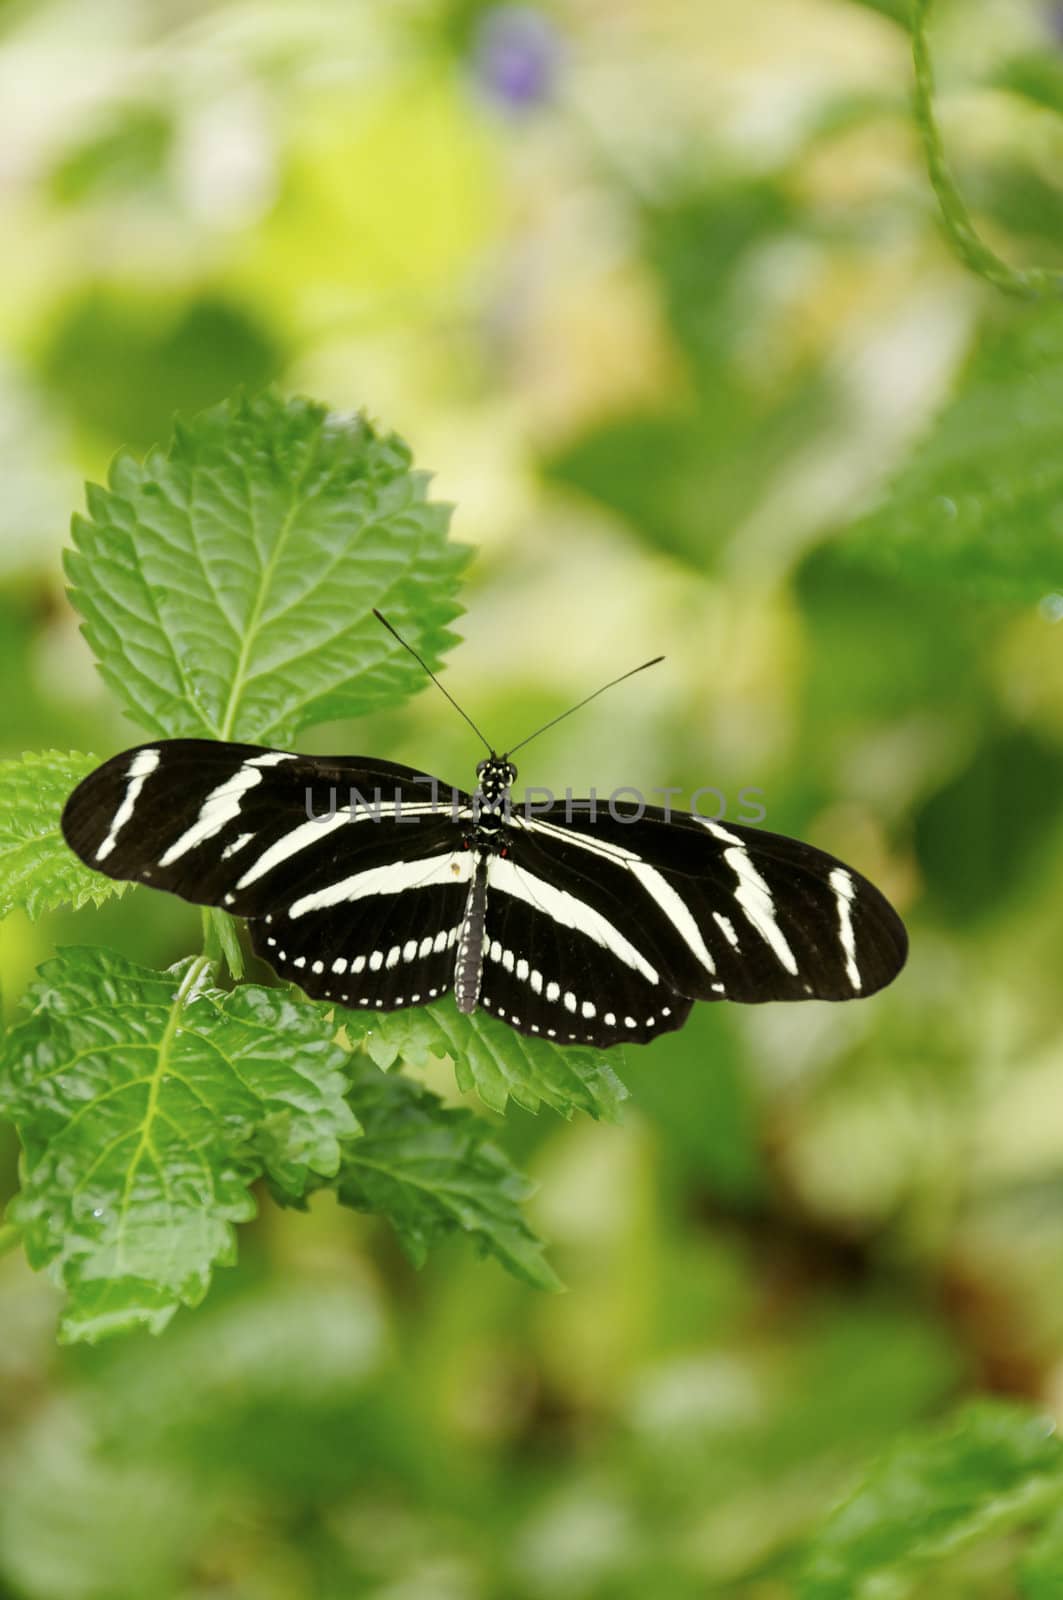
(207, 820)
(335, 862)
(729, 912)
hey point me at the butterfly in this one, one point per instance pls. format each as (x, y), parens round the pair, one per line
(373, 886)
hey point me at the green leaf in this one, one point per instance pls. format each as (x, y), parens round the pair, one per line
(972, 859)
(1037, 75)
(120, 358)
(147, 1103)
(896, 10)
(431, 1170)
(980, 503)
(713, 448)
(37, 870)
(994, 1468)
(127, 150)
(491, 1058)
(227, 585)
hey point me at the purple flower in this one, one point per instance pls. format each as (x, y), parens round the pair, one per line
(515, 53)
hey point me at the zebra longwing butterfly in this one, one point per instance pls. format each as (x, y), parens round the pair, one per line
(576, 924)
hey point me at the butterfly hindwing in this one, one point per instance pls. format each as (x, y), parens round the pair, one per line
(380, 952)
(553, 969)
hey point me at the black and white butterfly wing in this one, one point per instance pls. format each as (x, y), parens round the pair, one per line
(354, 877)
(564, 958)
(369, 892)
(777, 918)
(604, 929)
(381, 938)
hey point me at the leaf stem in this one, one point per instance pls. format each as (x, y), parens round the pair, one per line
(1031, 283)
(220, 941)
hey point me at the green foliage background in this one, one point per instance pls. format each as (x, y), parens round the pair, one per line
(682, 338)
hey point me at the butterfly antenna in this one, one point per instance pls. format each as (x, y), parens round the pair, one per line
(555, 720)
(381, 618)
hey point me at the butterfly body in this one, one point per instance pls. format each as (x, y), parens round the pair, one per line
(573, 923)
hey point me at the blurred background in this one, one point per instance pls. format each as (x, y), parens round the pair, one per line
(659, 291)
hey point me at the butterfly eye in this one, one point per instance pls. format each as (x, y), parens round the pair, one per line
(480, 765)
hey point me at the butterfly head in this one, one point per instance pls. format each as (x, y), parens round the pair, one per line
(495, 775)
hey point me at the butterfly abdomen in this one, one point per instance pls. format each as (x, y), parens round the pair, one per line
(468, 969)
